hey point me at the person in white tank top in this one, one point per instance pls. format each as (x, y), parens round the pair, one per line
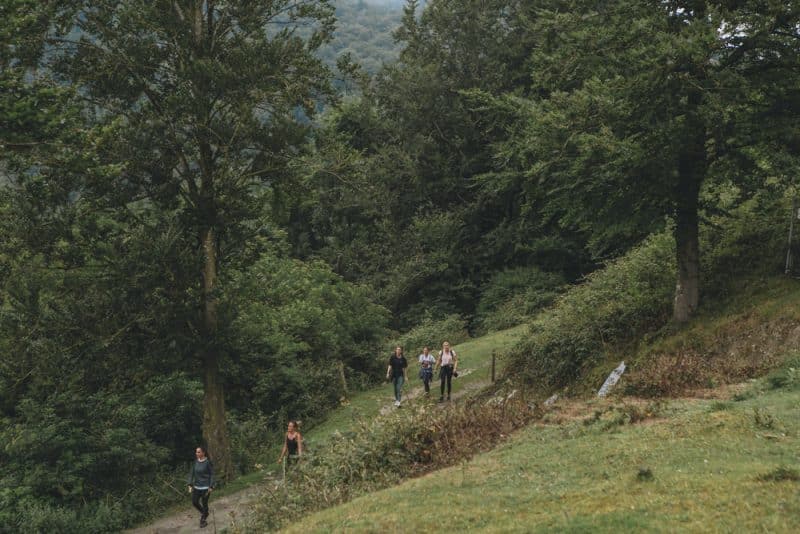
(447, 362)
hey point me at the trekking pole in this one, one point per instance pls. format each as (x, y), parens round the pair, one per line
(789, 258)
(284, 471)
(214, 520)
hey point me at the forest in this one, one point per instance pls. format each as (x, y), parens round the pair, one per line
(220, 215)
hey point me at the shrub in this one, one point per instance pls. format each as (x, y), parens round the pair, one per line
(59, 456)
(630, 296)
(780, 474)
(515, 295)
(720, 406)
(763, 419)
(729, 350)
(645, 474)
(294, 326)
(431, 333)
(253, 437)
(788, 376)
(746, 241)
(403, 444)
(614, 416)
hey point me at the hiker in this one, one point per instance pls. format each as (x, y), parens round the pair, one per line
(201, 482)
(447, 362)
(426, 363)
(292, 444)
(397, 372)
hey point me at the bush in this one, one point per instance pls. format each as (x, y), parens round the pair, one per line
(613, 416)
(431, 333)
(70, 462)
(253, 437)
(294, 327)
(92, 518)
(388, 450)
(780, 474)
(515, 295)
(747, 241)
(630, 296)
(788, 376)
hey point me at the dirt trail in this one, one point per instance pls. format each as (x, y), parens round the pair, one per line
(418, 392)
(233, 507)
(224, 511)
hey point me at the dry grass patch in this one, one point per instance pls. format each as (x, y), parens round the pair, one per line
(728, 351)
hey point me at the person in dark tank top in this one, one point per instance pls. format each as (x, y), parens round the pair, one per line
(292, 444)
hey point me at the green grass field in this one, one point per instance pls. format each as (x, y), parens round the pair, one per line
(699, 465)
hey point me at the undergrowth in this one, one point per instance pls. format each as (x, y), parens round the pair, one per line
(631, 295)
(629, 302)
(616, 415)
(431, 333)
(401, 445)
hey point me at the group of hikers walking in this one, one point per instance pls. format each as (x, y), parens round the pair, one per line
(446, 362)
(201, 474)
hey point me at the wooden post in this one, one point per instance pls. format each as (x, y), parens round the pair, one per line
(344, 380)
(493, 360)
(789, 258)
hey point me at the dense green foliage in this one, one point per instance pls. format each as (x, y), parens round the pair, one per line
(621, 143)
(629, 298)
(406, 210)
(298, 324)
(364, 32)
(183, 239)
(116, 196)
(514, 295)
(431, 333)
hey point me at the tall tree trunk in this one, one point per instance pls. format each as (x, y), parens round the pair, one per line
(687, 288)
(692, 171)
(215, 431)
(692, 168)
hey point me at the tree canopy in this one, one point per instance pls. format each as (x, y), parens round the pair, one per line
(206, 231)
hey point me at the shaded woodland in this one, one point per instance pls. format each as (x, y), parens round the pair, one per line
(216, 214)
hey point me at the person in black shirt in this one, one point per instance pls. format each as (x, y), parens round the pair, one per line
(397, 372)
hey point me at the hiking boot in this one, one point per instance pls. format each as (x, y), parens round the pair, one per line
(441, 399)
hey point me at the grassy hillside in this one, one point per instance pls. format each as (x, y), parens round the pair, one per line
(364, 407)
(713, 457)
(475, 358)
(700, 465)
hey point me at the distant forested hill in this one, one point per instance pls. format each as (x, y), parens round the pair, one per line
(364, 29)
